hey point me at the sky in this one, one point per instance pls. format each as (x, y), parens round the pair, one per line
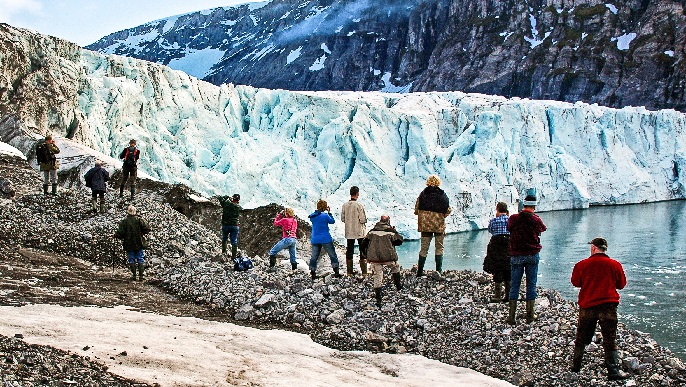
(85, 21)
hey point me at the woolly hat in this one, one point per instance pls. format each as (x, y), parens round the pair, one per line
(530, 199)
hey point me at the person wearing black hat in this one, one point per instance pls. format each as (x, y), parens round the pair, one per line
(231, 211)
(599, 277)
(525, 244)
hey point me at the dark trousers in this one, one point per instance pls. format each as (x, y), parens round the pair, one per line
(127, 173)
(350, 249)
(606, 316)
(95, 194)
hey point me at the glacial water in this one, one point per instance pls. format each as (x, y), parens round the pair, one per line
(648, 239)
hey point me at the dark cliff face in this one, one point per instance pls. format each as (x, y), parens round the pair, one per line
(614, 53)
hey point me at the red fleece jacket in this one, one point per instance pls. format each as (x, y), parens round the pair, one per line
(599, 277)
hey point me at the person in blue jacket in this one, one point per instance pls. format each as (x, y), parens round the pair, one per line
(321, 237)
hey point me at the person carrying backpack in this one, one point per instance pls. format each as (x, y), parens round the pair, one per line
(131, 230)
(130, 155)
(45, 156)
(96, 179)
(231, 212)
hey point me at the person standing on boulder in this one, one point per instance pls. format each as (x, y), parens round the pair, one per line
(231, 212)
(289, 227)
(497, 260)
(355, 219)
(129, 169)
(131, 230)
(96, 179)
(380, 245)
(599, 277)
(321, 238)
(45, 156)
(525, 244)
(432, 207)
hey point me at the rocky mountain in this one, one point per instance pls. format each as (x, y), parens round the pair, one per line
(614, 53)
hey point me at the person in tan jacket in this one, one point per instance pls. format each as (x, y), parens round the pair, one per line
(432, 207)
(379, 246)
(355, 219)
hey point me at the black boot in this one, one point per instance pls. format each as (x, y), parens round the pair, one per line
(313, 274)
(612, 364)
(577, 357)
(349, 266)
(294, 266)
(272, 263)
(396, 281)
(132, 267)
(336, 274)
(133, 191)
(363, 265)
(103, 209)
(54, 188)
(94, 205)
(530, 315)
(506, 296)
(141, 268)
(497, 292)
(439, 263)
(121, 191)
(420, 266)
(224, 243)
(377, 295)
(234, 251)
(45, 189)
(513, 310)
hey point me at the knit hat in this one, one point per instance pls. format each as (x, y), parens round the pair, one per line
(530, 199)
(236, 197)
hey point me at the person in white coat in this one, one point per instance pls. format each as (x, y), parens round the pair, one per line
(355, 219)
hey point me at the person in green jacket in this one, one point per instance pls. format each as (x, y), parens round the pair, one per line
(131, 230)
(231, 211)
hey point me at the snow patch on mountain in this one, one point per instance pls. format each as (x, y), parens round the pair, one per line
(624, 40)
(197, 63)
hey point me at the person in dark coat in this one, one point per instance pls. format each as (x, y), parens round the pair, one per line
(96, 179)
(131, 231)
(129, 170)
(432, 207)
(497, 261)
(379, 246)
(231, 212)
(45, 154)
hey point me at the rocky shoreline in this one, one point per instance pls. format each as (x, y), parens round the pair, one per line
(444, 317)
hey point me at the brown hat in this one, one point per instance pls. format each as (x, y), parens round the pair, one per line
(599, 242)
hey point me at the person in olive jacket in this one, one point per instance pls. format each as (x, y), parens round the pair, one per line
(379, 245)
(432, 207)
(131, 230)
(45, 155)
(231, 212)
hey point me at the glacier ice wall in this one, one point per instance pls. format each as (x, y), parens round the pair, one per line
(294, 148)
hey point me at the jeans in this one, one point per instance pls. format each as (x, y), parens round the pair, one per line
(230, 232)
(285, 243)
(317, 248)
(136, 256)
(518, 266)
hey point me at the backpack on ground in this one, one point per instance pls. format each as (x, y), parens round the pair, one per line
(242, 264)
(42, 153)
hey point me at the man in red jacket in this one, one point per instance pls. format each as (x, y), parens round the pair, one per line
(599, 277)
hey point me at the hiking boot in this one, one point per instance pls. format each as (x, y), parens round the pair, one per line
(294, 266)
(234, 251)
(313, 274)
(612, 364)
(396, 281)
(54, 188)
(363, 266)
(94, 205)
(45, 189)
(439, 263)
(336, 274)
(272, 263)
(513, 310)
(577, 357)
(103, 209)
(497, 292)
(349, 266)
(530, 315)
(377, 296)
(420, 266)
(506, 295)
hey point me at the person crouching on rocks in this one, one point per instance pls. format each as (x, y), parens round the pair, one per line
(45, 156)
(289, 226)
(432, 207)
(96, 179)
(321, 237)
(380, 245)
(497, 261)
(599, 277)
(131, 230)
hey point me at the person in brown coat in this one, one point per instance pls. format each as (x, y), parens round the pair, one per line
(380, 245)
(45, 156)
(432, 207)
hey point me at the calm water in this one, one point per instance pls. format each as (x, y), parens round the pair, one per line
(648, 239)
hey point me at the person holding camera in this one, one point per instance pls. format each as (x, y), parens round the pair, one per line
(45, 156)
(289, 226)
(379, 246)
(321, 237)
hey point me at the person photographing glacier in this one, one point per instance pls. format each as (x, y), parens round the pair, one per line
(432, 207)
(379, 247)
(321, 238)
(289, 227)
(231, 212)
(355, 219)
(47, 161)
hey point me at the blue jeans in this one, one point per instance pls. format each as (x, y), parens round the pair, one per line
(518, 266)
(317, 248)
(230, 232)
(135, 256)
(285, 243)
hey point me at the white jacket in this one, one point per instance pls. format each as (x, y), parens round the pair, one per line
(355, 219)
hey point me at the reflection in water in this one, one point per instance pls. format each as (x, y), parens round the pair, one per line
(648, 239)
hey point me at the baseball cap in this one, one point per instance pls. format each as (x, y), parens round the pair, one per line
(599, 242)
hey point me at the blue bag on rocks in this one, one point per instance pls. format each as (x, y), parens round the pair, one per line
(242, 264)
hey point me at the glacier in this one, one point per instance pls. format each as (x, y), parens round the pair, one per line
(293, 148)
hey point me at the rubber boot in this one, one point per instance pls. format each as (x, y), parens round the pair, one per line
(439, 263)
(396, 281)
(577, 357)
(506, 295)
(530, 315)
(132, 267)
(141, 269)
(363, 265)
(102, 205)
(121, 191)
(349, 266)
(224, 243)
(497, 290)
(54, 188)
(313, 274)
(234, 251)
(133, 191)
(94, 204)
(294, 266)
(612, 364)
(272, 263)
(336, 274)
(513, 310)
(420, 266)
(45, 189)
(377, 295)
